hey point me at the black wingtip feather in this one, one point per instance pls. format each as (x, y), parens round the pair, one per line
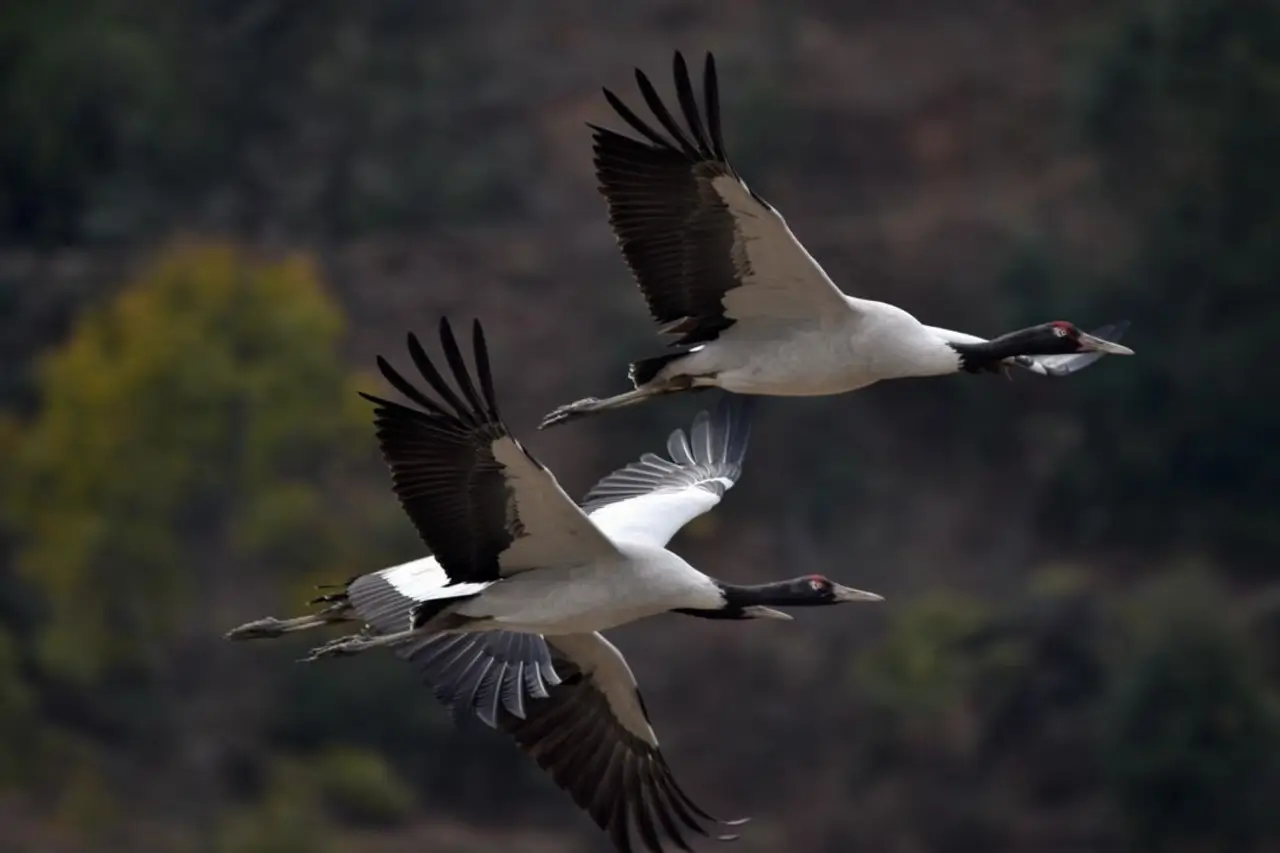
(711, 103)
(405, 387)
(675, 237)
(453, 354)
(480, 353)
(627, 791)
(669, 826)
(636, 122)
(663, 115)
(439, 448)
(689, 106)
(644, 821)
(694, 810)
(429, 372)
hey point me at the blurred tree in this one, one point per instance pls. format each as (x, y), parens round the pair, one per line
(1182, 107)
(18, 714)
(1043, 659)
(192, 423)
(320, 119)
(359, 787)
(288, 818)
(462, 769)
(1040, 677)
(1192, 732)
(920, 671)
(82, 95)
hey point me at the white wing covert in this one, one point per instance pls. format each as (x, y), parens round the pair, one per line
(649, 500)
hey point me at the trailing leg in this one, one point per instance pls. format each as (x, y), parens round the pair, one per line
(355, 643)
(644, 375)
(271, 627)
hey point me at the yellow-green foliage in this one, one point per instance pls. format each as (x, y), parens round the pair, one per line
(305, 800)
(85, 802)
(185, 425)
(359, 786)
(17, 715)
(287, 819)
(920, 667)
(1191, 731)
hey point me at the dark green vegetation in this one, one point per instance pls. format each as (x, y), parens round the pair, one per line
(212, 215)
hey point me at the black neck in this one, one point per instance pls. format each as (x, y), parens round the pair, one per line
(987, 357)
(790, 593)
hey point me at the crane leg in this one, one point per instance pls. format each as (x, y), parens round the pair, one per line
(270, 626)
(355, 643)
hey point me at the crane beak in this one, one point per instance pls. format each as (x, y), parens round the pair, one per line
(1088, 343)
(759, 611)
(847, 593)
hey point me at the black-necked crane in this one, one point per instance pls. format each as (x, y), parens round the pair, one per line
(753, 311)
(504, 617)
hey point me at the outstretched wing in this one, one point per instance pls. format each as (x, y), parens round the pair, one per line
(593, 737)
(652, 498)
(482, 504)
(705, 250)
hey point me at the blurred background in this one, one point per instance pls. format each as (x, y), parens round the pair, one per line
(214, 214)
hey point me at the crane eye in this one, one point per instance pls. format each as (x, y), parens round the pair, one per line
(1059, 331)
(816, 585)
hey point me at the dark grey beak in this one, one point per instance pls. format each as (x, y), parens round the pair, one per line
(847, 593)
(1088, 343)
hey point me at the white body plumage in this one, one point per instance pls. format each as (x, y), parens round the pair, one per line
(643, 580)
(873, 341)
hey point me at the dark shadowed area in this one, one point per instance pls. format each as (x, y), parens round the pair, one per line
(213, 215)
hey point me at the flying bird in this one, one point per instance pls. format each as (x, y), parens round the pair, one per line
(753, 312)
(503, 619)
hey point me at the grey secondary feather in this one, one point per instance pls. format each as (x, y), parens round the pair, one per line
(466, 672)
(484, 672)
